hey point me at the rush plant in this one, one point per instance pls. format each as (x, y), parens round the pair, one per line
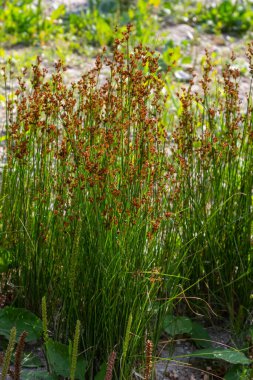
(213, 149)
(82, 202)
(108, 202)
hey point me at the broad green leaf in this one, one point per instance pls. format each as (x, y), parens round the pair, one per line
(104, 32)
(23, 320)
(229, 355)
(59, 360)
(183, 325)
(2, 138)
(37, 375)
(177, 325)
(80, 368)
(58, 12)
(58, 357)
(235, 373)
(31, 361)
(108, 6)
(186, 60)
(102, 372)
(200, 336)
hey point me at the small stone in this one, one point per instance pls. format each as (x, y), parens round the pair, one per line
(190, 35)
(182, 76)
(219, 40)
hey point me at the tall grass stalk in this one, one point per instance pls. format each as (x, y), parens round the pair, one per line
(44, 319)
(75, 351)
(8, 353)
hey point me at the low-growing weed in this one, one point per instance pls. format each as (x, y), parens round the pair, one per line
(97, 25)
(90, 27)
(53, 360)
(25, 22)
(226, 16)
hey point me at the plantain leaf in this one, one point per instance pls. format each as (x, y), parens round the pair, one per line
(31, 361)
(200, 336)
(23, 320)
(228, 355)
(177, 325)
(234, 373)
(37, 375)
(102, 372)
(59, 360)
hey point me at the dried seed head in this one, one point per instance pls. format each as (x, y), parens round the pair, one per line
(148, 363)
(110, 365)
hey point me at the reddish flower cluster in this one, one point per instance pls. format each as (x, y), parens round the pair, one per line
(101, 143)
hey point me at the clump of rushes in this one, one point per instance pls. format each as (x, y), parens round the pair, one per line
(213, 149)
(83, 191)
(106, 206)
